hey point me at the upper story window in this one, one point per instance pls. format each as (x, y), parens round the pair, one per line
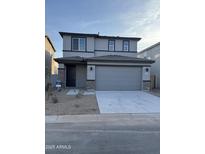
(125, 45)
(111, 45)
(78, 44)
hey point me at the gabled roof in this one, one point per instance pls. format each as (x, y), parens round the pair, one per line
(152, 46)
(107, 58)
(49, 40)
(98, 36)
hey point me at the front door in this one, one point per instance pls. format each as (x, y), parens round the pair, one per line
(70, 75)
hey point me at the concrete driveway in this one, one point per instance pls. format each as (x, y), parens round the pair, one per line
(127, 102)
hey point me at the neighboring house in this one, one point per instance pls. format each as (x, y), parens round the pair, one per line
(51, 67)
(153, 52)
(102, 62)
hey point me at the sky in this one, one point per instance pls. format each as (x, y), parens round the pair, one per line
(136, 18)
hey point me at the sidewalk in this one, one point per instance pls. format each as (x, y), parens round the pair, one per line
(98, 118)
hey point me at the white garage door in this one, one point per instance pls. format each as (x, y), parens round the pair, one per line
(118, 78)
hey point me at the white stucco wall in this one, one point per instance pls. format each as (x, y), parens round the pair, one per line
(145, 73)
(90, 72)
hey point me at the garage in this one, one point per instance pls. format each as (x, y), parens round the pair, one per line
(123, 78)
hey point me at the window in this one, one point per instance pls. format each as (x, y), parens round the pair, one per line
(111, 45)
(75, 44)
(78, 44)
(125, 45)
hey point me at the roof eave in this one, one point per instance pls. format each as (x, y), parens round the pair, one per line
(148, 48)
(49, 40)
(77, 34)
(99, 36)
(64, 60)
(123, 61)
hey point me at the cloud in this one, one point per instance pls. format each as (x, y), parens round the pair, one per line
(134, 18)
(86, 24)
(144, 24)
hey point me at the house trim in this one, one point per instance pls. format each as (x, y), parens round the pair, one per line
(97, 36)
(118, 64)
(99, 51)
(78, 51)
(116, 51)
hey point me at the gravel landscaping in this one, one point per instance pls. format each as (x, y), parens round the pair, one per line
(61, 104)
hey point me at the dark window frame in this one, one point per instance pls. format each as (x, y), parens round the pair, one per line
(113, 44)
(128, 45)
(85, 40)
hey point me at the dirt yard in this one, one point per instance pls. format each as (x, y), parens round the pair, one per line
(70, 105)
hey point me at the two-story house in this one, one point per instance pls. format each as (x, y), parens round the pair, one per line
(102, 62)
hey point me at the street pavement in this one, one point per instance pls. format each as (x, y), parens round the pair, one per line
(103, 134)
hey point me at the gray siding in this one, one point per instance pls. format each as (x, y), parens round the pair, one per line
(81, 75)
(118, 78)
(133, 45)
(90, 44)
(99, 47)
(81, 54)
(101, 44)
(103, 53)
(118, 45)
(66, 42)
(154, 54)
